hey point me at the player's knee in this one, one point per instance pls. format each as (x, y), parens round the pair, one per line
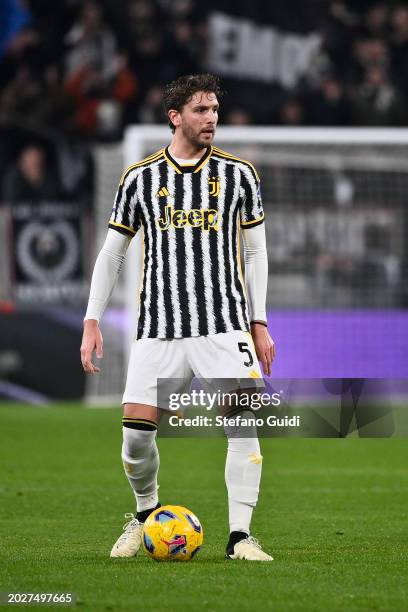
(242, 434)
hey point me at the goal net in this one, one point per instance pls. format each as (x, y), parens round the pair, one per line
(336, 215)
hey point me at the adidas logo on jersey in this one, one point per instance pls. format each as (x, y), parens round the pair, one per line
(206, 218)
(162, 192)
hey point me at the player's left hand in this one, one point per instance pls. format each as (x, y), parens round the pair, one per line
(264, 346)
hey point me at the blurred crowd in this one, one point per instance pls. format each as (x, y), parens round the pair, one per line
(362, 76)
(74, 72)
(87, 69)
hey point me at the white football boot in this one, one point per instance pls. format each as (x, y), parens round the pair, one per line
(249, 549)
(131, 539)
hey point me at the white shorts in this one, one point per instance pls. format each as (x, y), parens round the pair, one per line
(230, 356)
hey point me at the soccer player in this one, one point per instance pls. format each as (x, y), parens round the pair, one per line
(196, 314)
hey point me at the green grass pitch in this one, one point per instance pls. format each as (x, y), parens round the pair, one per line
(332, 512)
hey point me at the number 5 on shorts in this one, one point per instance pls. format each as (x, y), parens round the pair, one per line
(244, 348)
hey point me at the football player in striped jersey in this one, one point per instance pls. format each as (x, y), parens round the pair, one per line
(197, 315)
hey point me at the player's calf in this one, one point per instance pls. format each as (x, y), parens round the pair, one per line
(141, 462)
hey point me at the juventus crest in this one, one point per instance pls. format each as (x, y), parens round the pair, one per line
(214, 183)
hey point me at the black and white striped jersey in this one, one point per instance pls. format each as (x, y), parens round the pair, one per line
(191, 216)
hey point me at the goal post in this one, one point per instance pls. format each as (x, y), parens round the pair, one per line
(336, 216)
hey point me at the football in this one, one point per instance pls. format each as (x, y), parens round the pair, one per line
(172, 533)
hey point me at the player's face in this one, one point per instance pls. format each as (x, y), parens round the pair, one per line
(199, 118)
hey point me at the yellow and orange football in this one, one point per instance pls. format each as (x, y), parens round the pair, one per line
(172, 533)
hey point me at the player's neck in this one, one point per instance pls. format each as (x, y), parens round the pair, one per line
(182, 149)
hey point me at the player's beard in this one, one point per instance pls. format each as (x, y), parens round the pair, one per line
(196, 139)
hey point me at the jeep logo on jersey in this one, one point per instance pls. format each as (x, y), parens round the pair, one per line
(206, 218)
(214, 183)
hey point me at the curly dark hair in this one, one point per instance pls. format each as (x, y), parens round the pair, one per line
(177, 93)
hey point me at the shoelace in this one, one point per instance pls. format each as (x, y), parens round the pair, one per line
(254, 541)
(132, 521)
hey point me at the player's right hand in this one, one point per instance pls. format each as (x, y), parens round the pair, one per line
(91, 341)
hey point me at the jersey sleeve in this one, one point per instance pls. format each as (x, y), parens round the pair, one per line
(251, 211)
(126, 217)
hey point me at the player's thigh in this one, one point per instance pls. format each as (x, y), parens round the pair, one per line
(224, 356)
(151, 359)
(141, 411)
(143, 371)
(227, 364)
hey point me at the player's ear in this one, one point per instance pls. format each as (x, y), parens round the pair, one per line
(175, 117)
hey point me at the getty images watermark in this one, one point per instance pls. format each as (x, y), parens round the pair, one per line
(284, 407)
(243, 404)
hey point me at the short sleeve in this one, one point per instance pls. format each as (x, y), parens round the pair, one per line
(125, 217)
(251, 211)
